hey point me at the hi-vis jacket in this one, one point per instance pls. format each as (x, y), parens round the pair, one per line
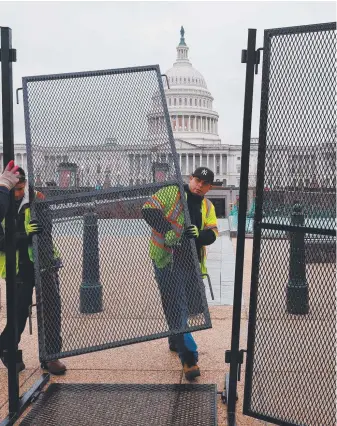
(24, 210)
(168, 200)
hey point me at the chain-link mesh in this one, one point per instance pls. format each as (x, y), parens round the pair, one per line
(300, 159)
(112, 265)
(125, 405)
(291, 364)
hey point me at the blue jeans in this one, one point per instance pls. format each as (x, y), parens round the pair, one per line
(171, 282)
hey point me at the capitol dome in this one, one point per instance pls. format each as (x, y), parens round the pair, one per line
(189, 101)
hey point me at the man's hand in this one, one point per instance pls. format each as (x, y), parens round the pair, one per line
(34, 228)
(10, 176)
(171, 239)
(191, 232)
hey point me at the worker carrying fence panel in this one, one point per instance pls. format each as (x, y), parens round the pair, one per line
(169, 248)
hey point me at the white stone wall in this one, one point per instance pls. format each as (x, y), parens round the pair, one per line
(126, 167)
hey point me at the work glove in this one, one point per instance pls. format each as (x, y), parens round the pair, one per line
(171, 239)
(191, 232)
(10, 176)
(34, 228)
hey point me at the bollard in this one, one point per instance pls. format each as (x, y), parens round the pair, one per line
(91, 288)
(297, 288)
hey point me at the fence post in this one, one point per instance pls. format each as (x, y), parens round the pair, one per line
(7, 57)
(91, 288)
(297, 288)
(235, 362)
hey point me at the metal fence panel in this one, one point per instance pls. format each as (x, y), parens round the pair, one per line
(100, 146)
(124, 405)
(291, 360)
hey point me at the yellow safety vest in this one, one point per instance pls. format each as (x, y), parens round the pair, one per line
(30, 249)
(168, 200)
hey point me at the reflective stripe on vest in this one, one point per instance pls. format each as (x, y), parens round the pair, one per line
(176, 209)
(159, 241)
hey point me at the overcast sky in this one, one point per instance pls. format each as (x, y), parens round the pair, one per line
(57, 37)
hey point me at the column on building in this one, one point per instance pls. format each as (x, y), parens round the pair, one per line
(18, 160)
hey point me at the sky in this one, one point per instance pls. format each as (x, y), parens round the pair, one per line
(57, 37)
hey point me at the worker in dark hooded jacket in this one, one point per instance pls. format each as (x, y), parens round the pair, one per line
(25, 230)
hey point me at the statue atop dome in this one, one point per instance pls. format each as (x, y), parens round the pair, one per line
(182, 37)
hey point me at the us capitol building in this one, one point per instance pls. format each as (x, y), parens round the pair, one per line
(195, 129)
(195, 124)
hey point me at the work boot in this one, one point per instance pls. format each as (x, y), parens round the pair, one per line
(54, 367)
(191, 371)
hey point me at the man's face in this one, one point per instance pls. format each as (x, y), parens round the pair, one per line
(198, 186)
(19, 190)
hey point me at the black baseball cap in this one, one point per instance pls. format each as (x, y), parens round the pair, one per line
(204, 173)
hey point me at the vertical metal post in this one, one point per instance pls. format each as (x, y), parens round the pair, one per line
(297, 287)
(240, 248)
(7, 57)
(91, 288)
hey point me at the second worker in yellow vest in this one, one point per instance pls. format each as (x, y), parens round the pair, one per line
(174, 270)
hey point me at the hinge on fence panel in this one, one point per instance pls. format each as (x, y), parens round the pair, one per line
(244, 56)
(17, 94)
(257, 58)
(167, 80)
(228, 360)
(12, 55)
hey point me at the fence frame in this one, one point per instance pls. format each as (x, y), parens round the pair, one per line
(258, 224)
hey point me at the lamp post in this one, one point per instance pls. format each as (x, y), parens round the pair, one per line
(297, 287)
(91, 288)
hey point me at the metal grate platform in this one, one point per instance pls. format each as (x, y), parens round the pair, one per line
(125, 404)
